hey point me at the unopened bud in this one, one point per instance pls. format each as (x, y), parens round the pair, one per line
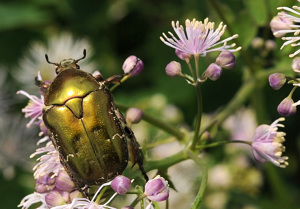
(133, 66)
(64, 182)
(57, 197)
(286, 107)
(226, 60)
(279, 23)
(44, 184)
(205, 136)
(75, 194)
(134, 115)
(213, 72)
(182, 55)
(121, 184)
(173, 69)
(157, 189)
(277, 80)
(296, 64)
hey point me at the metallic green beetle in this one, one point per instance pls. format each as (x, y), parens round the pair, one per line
(85, 126)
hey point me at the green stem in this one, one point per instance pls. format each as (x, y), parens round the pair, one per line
(142, 203)
(191, 70)
(118, 84)
(100, 195)
(196, 56)
(215, 144)
(158, 123)
(202, 165)
(156, 206)
(258, 100)
(166, 162)
(199, 116)
(138, 198)
(164, 126)
(292, 92)
(135, 202)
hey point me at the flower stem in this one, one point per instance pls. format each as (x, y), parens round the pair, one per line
(292, 92)
(119, 83)
(158, 123)
(198, 118)
(160, 142)
(100, 195)
(166, 162)
(215, 144)
(202, 165)
(196, 56)
(191, 70)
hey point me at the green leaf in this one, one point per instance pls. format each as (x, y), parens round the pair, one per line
(245, 28)
(19, 15)
(257, 10)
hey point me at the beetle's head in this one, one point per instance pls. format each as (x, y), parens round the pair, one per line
(66, 63)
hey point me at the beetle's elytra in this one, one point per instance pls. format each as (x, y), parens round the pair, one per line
(85, 126)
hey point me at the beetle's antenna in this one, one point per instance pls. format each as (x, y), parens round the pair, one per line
(47, 59)
(84, 55)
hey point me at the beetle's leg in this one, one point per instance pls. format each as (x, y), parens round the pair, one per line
(136, 154)
(43, 86)
(116, 79)
(85, 191)
(99, 78)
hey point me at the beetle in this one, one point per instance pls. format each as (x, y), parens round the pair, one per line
(86, 127)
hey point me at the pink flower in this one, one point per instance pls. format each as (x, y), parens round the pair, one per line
(173, 69)
(133, 66)
(49, 162)
(213, 71)
(286, 23)
(121, 184)
(157, 189)
(267, 144)
(34, 108)
(33, 198)
(281, 24)
(277, 80)
(286, 107)
(134, 115)
(198, 38)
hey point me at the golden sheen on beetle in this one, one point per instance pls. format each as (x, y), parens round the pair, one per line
(85, 125)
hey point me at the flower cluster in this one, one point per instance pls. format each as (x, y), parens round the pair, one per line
(286, 25)
(197, 39)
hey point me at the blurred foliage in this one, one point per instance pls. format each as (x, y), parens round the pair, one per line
(119, 28)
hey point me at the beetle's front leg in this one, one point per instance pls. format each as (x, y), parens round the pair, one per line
(135, 151)
(116, 79)
(42, 84)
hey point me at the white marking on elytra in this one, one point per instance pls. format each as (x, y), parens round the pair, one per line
(69, 155)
